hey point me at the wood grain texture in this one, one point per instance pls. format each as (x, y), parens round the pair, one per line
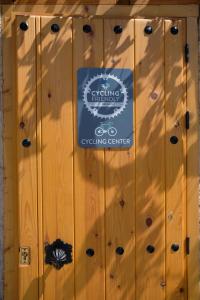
(142, 2)
(150, 160)
(117, 11)
(57, 150)
(57, 2)
(88, 178)
(101, 184)
(175, 106)
(39, 159)
(164, 2)
(192, 161)
(26, 157)
(10, 205)
(119, 179)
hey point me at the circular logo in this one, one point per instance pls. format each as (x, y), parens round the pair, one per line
(105, 96)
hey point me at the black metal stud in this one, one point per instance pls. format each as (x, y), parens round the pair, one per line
(87, 28)
(119, 250)
(55, 28)
(150, 248)
(148, 29)
(23, 26)
(90, 252)
(26, 143)
(174, 30)
(118, 29)
(175, 247)
(174, 139)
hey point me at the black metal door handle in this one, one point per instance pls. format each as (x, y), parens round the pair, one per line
(58, 254)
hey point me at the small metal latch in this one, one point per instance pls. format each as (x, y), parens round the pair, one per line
(187, 53)
(187, 244)
(25, 256)
(187, 120)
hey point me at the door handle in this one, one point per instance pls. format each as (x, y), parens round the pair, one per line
(58, 254)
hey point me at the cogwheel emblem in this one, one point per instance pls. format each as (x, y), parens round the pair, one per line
(105, 96)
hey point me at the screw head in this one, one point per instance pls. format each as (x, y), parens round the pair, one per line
(170, 215)
(87, 28)
(148, 29)
(119, 250)
(175, 247)
(90, 252)
(55, 28)
(174, 30)
(162, 284)
(118, 29)
(23, 26)
(26, 143)
(150, 248)
(174, 139)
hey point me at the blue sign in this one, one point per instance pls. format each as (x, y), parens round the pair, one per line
(105, 108)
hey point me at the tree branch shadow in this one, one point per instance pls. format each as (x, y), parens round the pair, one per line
(86, 268)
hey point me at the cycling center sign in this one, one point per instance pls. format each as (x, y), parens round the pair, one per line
(105, 108)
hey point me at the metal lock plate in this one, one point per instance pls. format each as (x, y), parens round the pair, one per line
(25, 256)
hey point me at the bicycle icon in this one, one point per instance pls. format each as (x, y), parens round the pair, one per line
(105, 128)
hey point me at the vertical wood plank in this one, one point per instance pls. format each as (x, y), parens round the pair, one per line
(175, 105)
(57, 150)
(10, 205)
(150, 160)
(119, 179)
(88, 178)
(39, 160)
(26, 157)
(192, 159)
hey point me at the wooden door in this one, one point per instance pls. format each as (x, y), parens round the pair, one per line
(102, 200)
